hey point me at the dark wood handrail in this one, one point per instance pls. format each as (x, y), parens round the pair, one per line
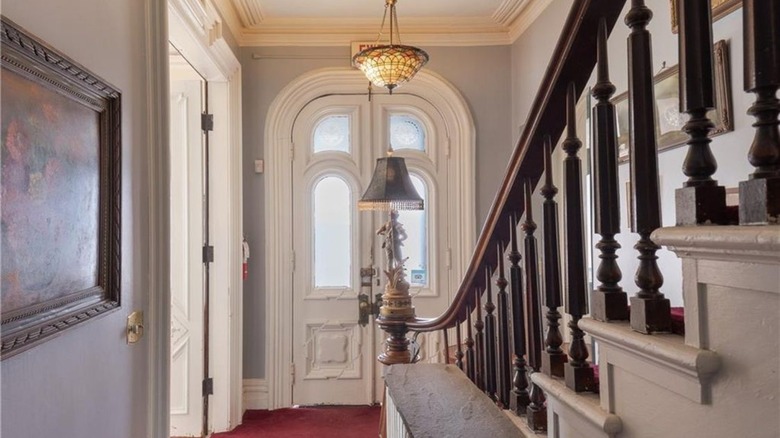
(573, 61)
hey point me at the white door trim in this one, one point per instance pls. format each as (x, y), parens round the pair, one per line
(278, 218)
(195, 29)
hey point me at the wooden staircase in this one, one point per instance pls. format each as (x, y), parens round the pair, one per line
(631, 366)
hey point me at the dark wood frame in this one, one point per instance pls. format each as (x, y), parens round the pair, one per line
(720, 8)
(723, 101)
(29, 57)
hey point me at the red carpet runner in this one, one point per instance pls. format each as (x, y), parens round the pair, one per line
(319, 422)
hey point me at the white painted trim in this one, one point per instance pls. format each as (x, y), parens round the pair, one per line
(196, 31)
(524, 20)
(663, 359)
(729, 243)
(278, 224)
(252, 27)
(158, 313)
(581, 411)
(255, 394)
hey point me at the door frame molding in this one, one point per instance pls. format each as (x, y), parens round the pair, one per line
(196, 28)
(278, 196)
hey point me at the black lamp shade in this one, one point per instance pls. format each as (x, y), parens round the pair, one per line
(391, 188)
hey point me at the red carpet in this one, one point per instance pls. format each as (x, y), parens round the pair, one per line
(319, 422)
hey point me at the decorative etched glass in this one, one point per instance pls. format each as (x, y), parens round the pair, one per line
(332, 233)
(406, 132)
(415, 223)
(332, 134)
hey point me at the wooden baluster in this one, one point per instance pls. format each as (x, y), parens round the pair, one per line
(479, 344)
(553, 356)
(700, 200)
(536, 413)
(490, 339)
(459, 351)
(520, 380)
(504, 379)
(759, 197)
(470, 365)
(446, 347)
(608, 301)
(650, 310)
(577, 371)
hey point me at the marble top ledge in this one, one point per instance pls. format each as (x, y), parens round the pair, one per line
(715, 241)
(437, 400)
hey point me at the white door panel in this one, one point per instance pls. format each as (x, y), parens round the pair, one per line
(336, 141)
(185, 258)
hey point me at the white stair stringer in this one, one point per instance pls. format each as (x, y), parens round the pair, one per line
(721, 380)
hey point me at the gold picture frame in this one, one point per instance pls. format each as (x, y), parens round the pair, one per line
(669, 120)
(720, 8)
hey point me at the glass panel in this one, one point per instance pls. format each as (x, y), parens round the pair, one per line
(415, 223)
(332, 236)
(406, 132)
(332, 134)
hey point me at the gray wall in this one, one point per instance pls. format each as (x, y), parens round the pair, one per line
(530, 55)
(88, 381)
(480, 73)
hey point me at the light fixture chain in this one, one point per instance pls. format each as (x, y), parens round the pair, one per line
(382, 26)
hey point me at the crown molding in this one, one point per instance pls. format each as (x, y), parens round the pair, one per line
(531, 11)
(252, 27)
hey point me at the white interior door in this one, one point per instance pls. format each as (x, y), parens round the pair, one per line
(186, 262)
(336, 140)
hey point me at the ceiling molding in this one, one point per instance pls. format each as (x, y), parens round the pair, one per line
(509, 11)
(529, 14)
(249, 11)
(252, 27)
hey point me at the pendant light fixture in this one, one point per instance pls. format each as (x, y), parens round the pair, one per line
(392, 64)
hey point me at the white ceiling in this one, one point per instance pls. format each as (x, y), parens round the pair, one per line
(339, 22)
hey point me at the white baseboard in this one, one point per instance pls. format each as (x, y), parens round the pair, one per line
(255, 394)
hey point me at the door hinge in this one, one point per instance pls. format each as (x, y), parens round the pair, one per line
(292, 373)
(206, 122)
(208, 386)
(208, 254)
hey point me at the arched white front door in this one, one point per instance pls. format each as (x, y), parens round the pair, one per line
(324, 135)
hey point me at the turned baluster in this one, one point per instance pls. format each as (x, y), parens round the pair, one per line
(608, 301)
(469, 346)
(446, 347)
(536, 413)
(520, 380)
(650, 310)
(459, 351)
(577, 371)
(553, 356)
(479, 344)
(490, 339)
(504, 379)
(759, 197)
(700, 200)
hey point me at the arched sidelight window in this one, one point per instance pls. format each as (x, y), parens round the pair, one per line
(332, 223)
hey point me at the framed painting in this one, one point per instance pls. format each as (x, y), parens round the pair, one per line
(668, 118)
(61, 133)
(720, 8)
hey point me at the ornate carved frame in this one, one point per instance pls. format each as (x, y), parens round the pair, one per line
(25, 55)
